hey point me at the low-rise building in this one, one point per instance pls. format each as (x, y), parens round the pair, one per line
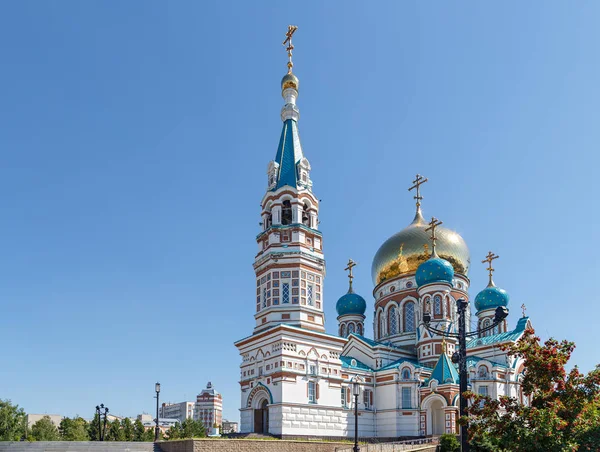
(33, 418)
(180, 411)
(230, 426)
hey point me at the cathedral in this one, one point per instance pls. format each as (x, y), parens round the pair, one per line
(296, 379)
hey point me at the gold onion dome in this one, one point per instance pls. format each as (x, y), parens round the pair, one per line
(403, 252)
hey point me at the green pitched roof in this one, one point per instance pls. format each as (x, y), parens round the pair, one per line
(401, 361)
(444, 371)
(513, 335)
(289, 153)
(347, 364)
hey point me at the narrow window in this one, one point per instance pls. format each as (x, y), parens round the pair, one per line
(437, 305)
(350, 328)
(409, 317)
(311, 392)
(305, 216)
(343, 394)
(309, 295)
(359, 329)
(406, 374)
(264, 300)
(285, 293)
(393, 321)
(286, 213)
(406, 396)
(366, 399)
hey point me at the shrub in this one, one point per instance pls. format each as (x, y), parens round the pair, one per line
(449, 443)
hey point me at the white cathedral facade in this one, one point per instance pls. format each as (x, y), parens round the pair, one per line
(295, 378)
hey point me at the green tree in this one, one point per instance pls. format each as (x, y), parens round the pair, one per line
(114, 431)
(174, 432)
(13, 422)
(75, 429)
(192, 429)
(127, 427)
(94, 429)
(449, 443)
(149, 435)
(138, 430)
(563, 409)
(45, 430)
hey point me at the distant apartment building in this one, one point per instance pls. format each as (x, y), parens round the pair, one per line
(209, 407)
(180, 411)
(230, 426)
(33, 418)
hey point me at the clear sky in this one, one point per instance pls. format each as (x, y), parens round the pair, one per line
(135, 138)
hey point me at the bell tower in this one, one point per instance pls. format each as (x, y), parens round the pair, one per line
(289, 265)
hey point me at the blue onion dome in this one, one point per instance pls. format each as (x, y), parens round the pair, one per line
(434, 270)
(490, 298)
(351, 303)
(290, 81)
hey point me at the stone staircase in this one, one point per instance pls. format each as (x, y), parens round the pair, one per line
(77, 446)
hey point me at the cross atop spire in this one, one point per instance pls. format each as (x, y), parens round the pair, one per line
(419, 180)
(351, 265)
(524, 308)
(434, 223)
(288, 40)
(489, 258)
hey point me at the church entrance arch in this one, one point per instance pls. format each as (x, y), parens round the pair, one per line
(259, 400)
(435, 405)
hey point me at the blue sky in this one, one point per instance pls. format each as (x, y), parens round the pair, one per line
(135, 138)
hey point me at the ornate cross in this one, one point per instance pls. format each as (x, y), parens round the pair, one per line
(351, 264)
(434, 223)
(524, 309)
(489, 258)
(419, 180)
(288, 40)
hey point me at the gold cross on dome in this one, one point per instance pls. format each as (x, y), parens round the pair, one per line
(419, 180)
(524, 308)
(288, 40)
(351, 265)
(434, 223)
(489, 258)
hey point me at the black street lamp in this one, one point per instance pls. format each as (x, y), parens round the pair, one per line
(460, 357)
(156, 430)
(101, 432)
(356, 393)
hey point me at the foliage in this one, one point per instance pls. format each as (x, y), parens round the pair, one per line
(187, 429)
(94, 430)
(45, 430)
(149, 435)
(13, 422)
(127, 427)
(449, 443)
(563, 409)
(114, 432)
(138, 431)
(75, 429)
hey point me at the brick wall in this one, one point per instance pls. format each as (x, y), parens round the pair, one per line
(249, 445)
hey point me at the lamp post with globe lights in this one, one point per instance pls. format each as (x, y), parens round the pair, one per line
(156, 430)
(460, 357)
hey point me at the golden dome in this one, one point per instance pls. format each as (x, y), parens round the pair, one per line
(403, 252)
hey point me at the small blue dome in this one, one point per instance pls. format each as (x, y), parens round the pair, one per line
(351, 303)
(490, 298)
(434, 270)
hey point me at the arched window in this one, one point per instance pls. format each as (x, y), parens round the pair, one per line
(286, 213)
(448, 308)
(409, 317)
(305, 215)
(392, 321)
(406, 374)
(427, 305)
(381, 322)
(495, 330)
(359, 329)
(486, 323)
(343, 330)
(437, 305)
(350, 328)
(268, 220)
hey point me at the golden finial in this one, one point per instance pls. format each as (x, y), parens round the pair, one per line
(351, 264)
(489, 258)
(434, 223)
(524, 308)
(419, 180)
(288, 40)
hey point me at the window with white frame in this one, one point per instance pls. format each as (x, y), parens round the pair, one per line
(406, 398)
(313, 369)
(437, 305)
(309, 295)
(312, 392)
(343, 394)
(393, 321)
(367, 399)
(264, 300)
(285, 291)
(350, 328)
(409, 317)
